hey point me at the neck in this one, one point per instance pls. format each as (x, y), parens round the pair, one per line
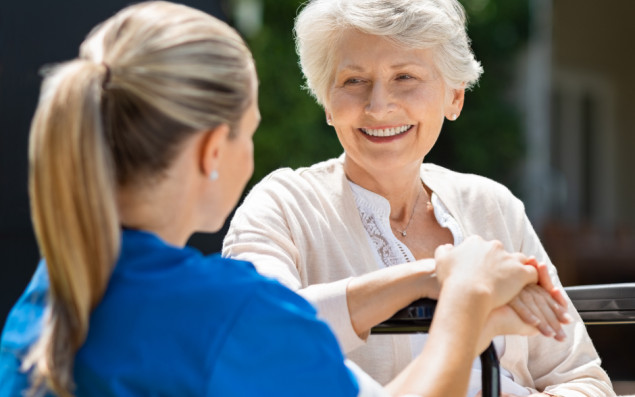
(400, 187)
(144, 209)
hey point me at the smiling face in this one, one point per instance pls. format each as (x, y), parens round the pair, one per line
(387, 103)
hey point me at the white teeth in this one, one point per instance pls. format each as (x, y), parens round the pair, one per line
(387, 131)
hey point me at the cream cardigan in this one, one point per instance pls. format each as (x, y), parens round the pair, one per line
(303, 228)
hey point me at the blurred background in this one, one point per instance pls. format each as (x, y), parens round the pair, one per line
(550, 119)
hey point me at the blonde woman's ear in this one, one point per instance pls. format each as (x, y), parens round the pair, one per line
(212, 149)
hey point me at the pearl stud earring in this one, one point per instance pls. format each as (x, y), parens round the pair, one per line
(213, 175)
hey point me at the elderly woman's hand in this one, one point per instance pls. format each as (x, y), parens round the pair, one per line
(542, 305)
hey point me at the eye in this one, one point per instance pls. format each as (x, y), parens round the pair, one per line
(405, 76)
(353, 81)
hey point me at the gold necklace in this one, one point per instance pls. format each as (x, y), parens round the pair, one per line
(403, 232)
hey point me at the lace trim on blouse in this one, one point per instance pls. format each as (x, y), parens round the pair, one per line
(374, 211)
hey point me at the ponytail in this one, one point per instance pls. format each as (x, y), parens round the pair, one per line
(73, 205)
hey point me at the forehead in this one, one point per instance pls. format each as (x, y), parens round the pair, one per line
(356, 50)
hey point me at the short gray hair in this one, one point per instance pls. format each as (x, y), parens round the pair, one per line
(436, 24)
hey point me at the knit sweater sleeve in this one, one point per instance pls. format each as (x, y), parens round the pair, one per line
(287, 236)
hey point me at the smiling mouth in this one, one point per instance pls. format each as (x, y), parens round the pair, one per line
(385, 132)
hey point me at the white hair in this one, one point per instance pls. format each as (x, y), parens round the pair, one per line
(439, 25)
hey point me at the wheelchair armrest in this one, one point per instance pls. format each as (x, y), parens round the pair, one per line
(412, 319)
(604, 303)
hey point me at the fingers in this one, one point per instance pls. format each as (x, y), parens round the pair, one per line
(523, 312)
(443, 250)
(484, 266)
(558, 295)
(544, 280)
(525, 307)
(532, 303)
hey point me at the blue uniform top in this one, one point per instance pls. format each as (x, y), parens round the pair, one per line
(176, 323)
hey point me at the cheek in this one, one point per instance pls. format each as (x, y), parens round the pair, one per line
(342, 105)
(248, 158)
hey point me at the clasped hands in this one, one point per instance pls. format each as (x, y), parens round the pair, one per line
(524, 300)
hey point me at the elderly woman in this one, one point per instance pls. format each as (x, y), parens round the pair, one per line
(353, 234)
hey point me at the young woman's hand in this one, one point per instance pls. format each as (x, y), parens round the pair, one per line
(484, 267)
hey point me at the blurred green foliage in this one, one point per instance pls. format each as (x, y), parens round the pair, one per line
(486, 139)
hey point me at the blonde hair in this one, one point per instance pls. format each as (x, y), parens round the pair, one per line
(145, 80)
(436, 24)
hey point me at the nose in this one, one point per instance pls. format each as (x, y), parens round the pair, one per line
(380, 101)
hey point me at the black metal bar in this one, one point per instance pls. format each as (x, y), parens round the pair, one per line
(604, 303)
(490, 375)
(417, 317)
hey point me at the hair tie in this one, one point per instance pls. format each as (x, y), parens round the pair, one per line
(106, 76)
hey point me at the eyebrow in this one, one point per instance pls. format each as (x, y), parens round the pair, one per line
(357, 68)
(354, 68)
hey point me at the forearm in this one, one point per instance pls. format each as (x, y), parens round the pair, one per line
(376, 296)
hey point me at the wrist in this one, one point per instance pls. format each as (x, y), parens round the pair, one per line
(469, 298)
(428, 284)
(473, 294)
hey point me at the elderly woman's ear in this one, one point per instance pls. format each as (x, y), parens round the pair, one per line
(329, 120)
(454, 102)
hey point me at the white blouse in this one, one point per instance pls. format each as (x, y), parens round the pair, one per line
(374, 211)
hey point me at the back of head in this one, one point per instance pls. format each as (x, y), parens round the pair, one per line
(436, 24)
(145, 80)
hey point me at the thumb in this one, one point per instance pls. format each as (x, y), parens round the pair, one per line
(443, 250)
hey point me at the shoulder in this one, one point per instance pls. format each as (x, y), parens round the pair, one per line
(214, 274)
(462, 182)
(294, 191)
(303, 177)
(452, 186)
(255, 289)
(268, 340)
